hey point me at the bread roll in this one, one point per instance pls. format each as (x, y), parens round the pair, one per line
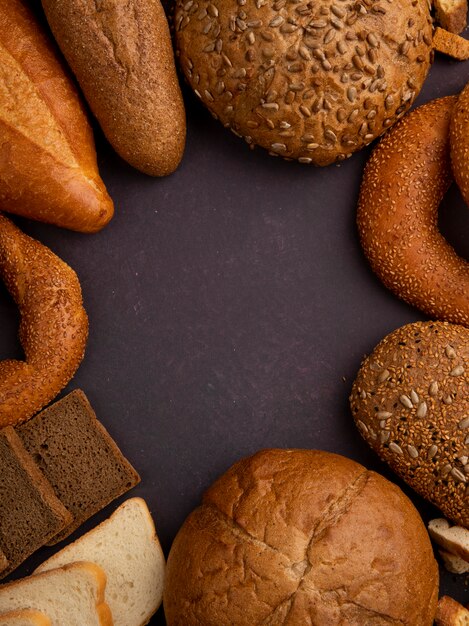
(48, 168)
(301, 537)
(122, 56)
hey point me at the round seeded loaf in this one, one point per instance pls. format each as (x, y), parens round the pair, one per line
(307, 81)
(410, 402)
(301, 537)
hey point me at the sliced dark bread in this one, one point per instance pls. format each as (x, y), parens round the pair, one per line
(3, 562)
(78, 457)
(30, 512)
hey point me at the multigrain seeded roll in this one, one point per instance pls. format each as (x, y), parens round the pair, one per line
(301, 537)
(309, 81)
(403, 184)
(410, 402)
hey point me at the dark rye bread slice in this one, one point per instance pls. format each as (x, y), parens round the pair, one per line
(78, 457)
(30, 512)
(3, 562)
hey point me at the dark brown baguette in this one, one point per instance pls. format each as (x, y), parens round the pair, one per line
(78, 457)
(122, 56)
(30, 512)
(48, 168)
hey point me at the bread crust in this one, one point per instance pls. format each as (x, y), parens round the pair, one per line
(410, 402)
(301, 537)
(451, 613)
(53, 328)
(403, 184)
(459, 141)
(314, 82)
(34, 618)
(451, 14)
(52, 180)
(122, 56)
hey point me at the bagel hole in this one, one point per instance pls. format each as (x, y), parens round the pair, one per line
(453, 221)
(10, 347)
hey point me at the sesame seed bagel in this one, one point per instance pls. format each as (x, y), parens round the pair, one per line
(459, 142)
(309, 81)
(53, 329)
(404, 182)
(410, 402)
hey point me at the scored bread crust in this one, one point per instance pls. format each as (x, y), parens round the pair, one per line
(403, 184)
(122, 56)
(410, 402)
(299, 536)
(24, 617)
(312, 81)
(48, 170)
(53, 329)
(459, 141)
(95, 574)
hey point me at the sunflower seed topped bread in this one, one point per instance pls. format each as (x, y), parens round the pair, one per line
(30, 513)
(48, 168)
(410, 401)
(311, 81)
(53, 329)
(78, 457)
(122, 56)
(126, 547)
(24, 617)
(451, 14)
(69, 596)
(301, 537)
(451, 613)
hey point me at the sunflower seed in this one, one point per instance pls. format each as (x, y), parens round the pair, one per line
(422, 410)
(446, 470)
(450, 352)
(395, 448)
(457, 371)
(363, 395)
(384, 436)
(432, 451)
(413, 452)
(362, 426)
(464, 423)
(372, 40)
(433, 389)
(405, 401)
(305, 160)
(448, 400)
(458, 475)
(351, 94)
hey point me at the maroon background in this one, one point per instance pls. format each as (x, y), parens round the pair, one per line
(230, 306)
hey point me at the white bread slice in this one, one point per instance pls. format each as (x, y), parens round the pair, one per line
(70, 596)
(453, 563)
(128, 550)
(451, 613)
(25, 617)
(454, 539)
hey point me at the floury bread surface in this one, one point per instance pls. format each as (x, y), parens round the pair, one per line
(281, 529)
(309, 81)
(122, 56)
(48, 168)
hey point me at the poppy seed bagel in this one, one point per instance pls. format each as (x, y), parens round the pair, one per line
(301, 537)
(403, 184)
(308, 81)
(53, 329)
(459, 142)
(410, 401)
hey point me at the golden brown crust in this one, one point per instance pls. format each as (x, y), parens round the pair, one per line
(122, 56)
(459, 142)
(24, 616)
(313, 81)
(410, 401)
(301, 537)
(48, 168)
(451, 44)
(53, 329)
(451, 613)
(404, 182)
(451, 14)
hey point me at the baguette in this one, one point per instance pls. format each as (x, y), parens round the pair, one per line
(48, 168)
(122, 56)
(453, 563)
(451, 44)
(453, 539)
(451, 613)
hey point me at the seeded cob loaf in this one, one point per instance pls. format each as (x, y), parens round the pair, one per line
(313, 82)
(410, 402)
